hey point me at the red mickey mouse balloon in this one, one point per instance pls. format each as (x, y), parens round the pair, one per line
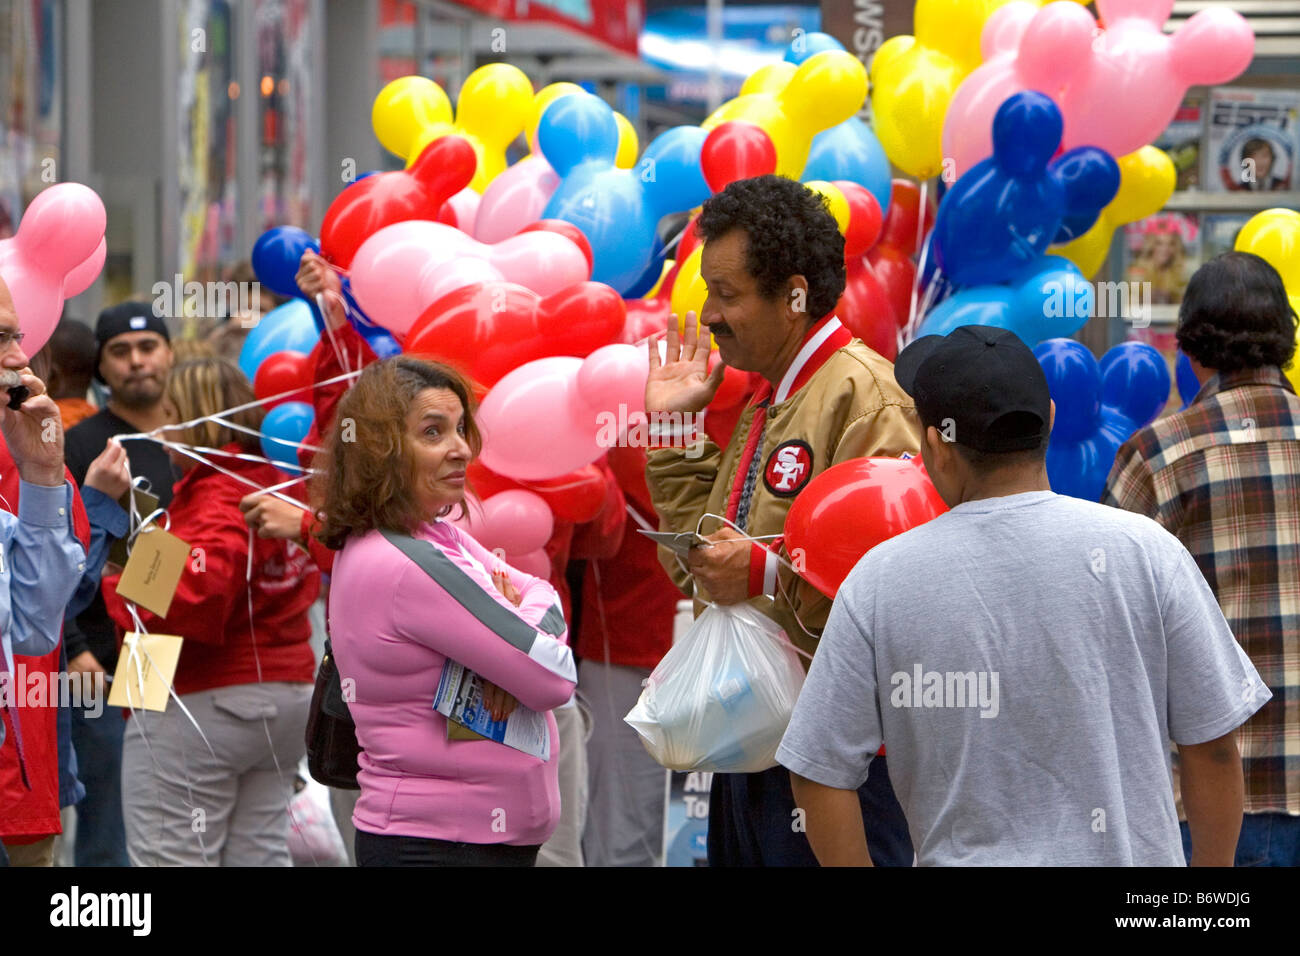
(444, 168)
(865, 307)
(849, 509)
(491, 328)
(736, 150)
(891, 257)
(283, 372)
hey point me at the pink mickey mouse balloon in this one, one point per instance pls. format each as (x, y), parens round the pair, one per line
(58, 237)
(81, 278)
(515, 199)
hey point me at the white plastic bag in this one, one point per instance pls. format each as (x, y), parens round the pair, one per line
(314, 838)
(721, 698)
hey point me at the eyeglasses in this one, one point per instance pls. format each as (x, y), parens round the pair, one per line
(8, 337)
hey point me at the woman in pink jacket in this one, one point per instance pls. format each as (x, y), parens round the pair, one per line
(396, 464)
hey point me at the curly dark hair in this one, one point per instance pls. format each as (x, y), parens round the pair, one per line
(791, 232)
(1235, 315)
(366, 477)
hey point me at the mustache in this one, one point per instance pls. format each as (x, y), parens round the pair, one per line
(9, 378)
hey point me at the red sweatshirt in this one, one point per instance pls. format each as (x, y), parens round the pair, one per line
(210, 609)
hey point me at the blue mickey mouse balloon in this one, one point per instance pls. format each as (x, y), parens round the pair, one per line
(1009, 208)
(286, 328)
(276, 255)
(617, 209)
(289, 422)
(851, 151)
(1098, 408)
(1188, 384)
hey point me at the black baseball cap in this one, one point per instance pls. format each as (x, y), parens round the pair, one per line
(126, 317)
(986, 381)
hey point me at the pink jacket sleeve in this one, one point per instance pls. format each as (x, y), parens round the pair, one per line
(463, 618)
(537, 596)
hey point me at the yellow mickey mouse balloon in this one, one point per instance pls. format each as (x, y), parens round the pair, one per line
(823, 91)
(404, 109)
(1146, 181)
(1274, 236)
(493, 106)
(913, 79)
(839, 206)
(629, 147)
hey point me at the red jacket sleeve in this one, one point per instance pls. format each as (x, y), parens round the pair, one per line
(204, 599)
(601, 538)
(325, 366)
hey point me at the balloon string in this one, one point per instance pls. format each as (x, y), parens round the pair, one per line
(923, 247)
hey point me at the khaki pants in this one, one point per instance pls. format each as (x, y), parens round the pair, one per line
(186, 805)
(564, 848)
(40, 853)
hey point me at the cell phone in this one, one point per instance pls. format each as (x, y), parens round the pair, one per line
(18, 394)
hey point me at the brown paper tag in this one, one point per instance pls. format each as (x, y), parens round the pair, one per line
(154, 569)
(145, 669)
(146, 503)
(457, 731)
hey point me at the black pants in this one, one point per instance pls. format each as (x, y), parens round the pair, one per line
(751, 817)
(374, 849)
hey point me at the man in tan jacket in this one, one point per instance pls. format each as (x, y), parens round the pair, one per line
(773, 261)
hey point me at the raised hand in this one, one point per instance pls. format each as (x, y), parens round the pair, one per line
(34, 434)
(682, 382)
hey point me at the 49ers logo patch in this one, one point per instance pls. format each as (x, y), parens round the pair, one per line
(788, 468)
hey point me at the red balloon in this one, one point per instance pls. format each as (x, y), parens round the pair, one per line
(865, 309)
(736, 150)
(850, 508)
(864, 219)
(690, 239)
(444, 168)
(577, 496)
(491, 328)
(566, 229)
(283, 372)
(649, 316)
(896, 272)
(899, 229)
(735, 388)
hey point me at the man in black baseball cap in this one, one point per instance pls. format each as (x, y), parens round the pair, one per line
(1027, 656)
(986, 409)
(134, 360)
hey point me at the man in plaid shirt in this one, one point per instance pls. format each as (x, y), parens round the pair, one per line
(1224, 476)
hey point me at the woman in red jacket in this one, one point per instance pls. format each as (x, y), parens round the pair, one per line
(246, 667)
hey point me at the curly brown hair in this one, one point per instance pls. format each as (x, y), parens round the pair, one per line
(367, 470)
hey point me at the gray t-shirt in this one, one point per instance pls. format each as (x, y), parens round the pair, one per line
(1026, 660)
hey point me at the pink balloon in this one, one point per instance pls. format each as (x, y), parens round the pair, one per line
(62, 228)
(533, 422)
(83, 277)
(465, 205)
(614, 377)
(1117, 88)
(537, 563)
(404, 268)
(515, 198)
(452, 275)
(516, 522)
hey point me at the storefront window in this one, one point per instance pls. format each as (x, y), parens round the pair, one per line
(284, 91)
(208, 90)
(31, 78)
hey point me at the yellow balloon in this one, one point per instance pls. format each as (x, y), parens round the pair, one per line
(1274, 236)
(823, 91)
(839, 206)
(493, 107)
(404, 108)
(913, 80)
(659, 283)
(769, 79)
(689, 290)
(544, 98)
(1146, 181)
(629, 147)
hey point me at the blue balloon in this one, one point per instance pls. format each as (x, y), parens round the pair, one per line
(1135, 382)
(652, 272)
(276, 255)
(851, 151)
(617, 209)
(287, 328)
(1048, 298)
(1095, 409)
(290, 422)
(1188, 383)
(1007, 209)
(805, 45)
